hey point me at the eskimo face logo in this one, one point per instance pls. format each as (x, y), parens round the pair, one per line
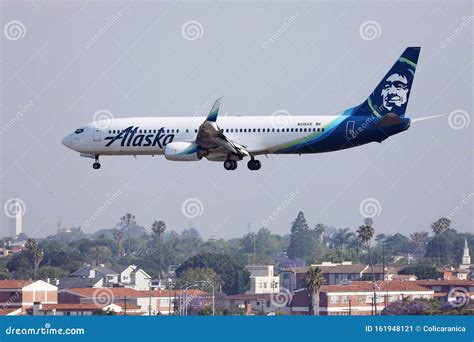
(133, 136)
(395, 91)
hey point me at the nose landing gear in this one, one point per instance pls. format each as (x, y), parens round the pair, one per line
(96, 164)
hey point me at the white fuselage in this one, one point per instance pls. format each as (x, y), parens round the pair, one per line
(258, 134)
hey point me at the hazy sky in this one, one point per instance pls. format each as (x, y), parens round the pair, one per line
(63, 62)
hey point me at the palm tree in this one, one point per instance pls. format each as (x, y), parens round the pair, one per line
(35, 255)
(126, 222)
(439, 227)
(159, 227)
(365, 233)
(118, 237)
(343, 236)
(313, 279)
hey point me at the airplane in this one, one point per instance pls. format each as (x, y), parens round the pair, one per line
(230, 139)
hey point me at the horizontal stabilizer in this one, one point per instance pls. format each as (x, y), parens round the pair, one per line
(390, 119)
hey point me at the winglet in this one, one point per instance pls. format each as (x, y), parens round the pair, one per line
(212, 116)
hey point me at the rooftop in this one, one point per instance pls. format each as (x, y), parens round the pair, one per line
(14, 284)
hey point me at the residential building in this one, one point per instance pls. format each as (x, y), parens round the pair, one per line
(251, 304)
(334, 273)
(357, 298)
(262, 279)
(447, 290)
(70, 309)
(110, 276)
(135, 278)
(23, 293)
(150, 302)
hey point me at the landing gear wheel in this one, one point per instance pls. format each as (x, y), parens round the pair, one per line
(254, 164)
(230, 164)
(96, 165)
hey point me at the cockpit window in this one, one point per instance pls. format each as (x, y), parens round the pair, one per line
(79, 131)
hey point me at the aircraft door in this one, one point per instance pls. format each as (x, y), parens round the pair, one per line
(350, 130)
(97, 136)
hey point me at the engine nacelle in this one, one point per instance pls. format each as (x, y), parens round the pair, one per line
(182, 151)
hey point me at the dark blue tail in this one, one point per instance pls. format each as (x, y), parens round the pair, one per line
(392, 93)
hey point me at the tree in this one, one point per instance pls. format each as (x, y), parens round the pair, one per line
(439, 227)
(407, 307)
(51, 272)
(365, 233)
(202, 278)
(422, 271)
(34, 255)
(342, 237)
(159, 227)
(231, 269)
(420, 240)
(126, 222)
(304, 243)
(313, 279)
(320, 230)
(118, 238)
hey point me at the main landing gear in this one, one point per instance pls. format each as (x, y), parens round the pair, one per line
(96, 165)
(254, 164)
(230, 164)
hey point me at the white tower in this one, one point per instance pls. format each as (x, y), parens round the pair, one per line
(18, 218)
(466, 258)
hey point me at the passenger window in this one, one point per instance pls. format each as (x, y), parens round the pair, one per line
(273, 129)
(322, 129)
(278, 130)
(258, 130)
(195, 131)
(241, 130)
(177, 131)
(167, 131)
(187, 130)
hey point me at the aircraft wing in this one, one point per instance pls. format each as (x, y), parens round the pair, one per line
(212, 138)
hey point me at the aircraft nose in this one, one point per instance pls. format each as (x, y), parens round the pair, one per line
(67, 141)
